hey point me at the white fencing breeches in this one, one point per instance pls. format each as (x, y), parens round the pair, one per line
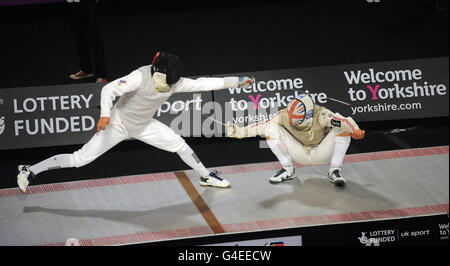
(155, 133)
(332, 149)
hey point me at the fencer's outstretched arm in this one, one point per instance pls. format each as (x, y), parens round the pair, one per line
(210, 84)
(346, 125)
(253, 130)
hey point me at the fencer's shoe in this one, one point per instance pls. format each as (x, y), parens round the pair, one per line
(24, 177)
(214, 180)
(336, 177)
(282, 175)
(81, 75)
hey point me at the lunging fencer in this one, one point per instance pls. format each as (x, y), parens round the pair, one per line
(307, 134)
(141, 93)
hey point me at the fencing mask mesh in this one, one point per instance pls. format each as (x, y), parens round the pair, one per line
(301, 110)
(166, 70)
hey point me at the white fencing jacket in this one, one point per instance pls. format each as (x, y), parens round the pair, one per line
(139, 99)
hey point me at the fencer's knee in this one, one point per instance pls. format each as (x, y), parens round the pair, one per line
(183, 147)
(272, 132)
(272, 141)
(78, 159)
(75, 160)
(343, 140)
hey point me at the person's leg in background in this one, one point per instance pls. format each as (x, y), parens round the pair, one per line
(91, 27)
(76, 23)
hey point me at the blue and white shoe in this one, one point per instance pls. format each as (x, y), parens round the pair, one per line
(24, 177)
(214, 180)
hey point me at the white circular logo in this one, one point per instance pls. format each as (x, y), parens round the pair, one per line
(72, 242)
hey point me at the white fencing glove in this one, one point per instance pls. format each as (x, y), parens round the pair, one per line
(233, 131)
(245, 82)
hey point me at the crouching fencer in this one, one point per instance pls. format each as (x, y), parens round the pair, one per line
(141, 93)
(307, 134)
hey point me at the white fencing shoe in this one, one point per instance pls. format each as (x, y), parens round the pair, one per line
(336, 177)
(24, 177)
(281, 176)
(214, 180)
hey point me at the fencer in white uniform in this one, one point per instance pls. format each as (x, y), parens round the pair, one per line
(141, 93)
(307, 134)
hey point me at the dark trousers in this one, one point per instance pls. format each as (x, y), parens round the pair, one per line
(84, 24)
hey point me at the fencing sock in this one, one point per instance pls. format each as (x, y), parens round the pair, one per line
(340, 149)
(55, 162)
(280, 151)
(190, 158)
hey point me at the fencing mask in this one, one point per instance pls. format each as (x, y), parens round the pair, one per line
(166, 70)
(301, 110)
